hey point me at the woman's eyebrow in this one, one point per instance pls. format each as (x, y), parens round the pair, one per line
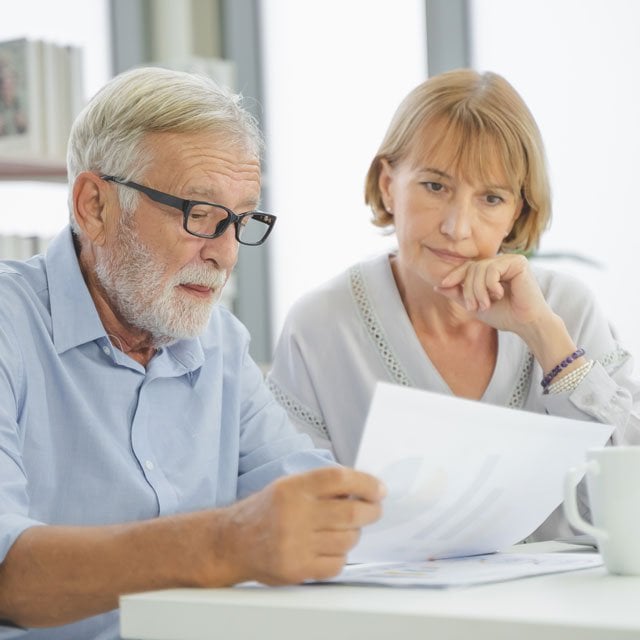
(438, 172)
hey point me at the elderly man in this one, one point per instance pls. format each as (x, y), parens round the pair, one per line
(139, 447)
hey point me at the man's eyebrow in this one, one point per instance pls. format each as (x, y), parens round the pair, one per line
(245, 207)
(207, 195)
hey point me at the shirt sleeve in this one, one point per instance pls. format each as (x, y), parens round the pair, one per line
(270, 446)
(14, 498)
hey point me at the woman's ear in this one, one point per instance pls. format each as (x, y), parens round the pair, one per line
(523, 207)
(90, 206)
(385, 179)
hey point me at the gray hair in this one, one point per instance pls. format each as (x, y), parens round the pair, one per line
(108, 135)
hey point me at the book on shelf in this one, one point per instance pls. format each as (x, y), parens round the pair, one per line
(21, 99)
(41, 92)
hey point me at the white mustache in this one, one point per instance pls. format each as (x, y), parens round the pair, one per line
(202, 276)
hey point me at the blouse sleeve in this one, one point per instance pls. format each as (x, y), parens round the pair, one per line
(291, 381)
(609, 393)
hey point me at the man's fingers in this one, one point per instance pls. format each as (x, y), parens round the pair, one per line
(333, 482)
(344, 514)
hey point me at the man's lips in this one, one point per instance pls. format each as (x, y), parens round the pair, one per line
(197, 289)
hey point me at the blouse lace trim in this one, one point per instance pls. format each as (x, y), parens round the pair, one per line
(521, 389)
(298, 410)
(374, 328)
(614, 358)
(393, 366)
(395, 369)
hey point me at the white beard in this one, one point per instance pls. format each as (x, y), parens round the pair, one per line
(132, 279)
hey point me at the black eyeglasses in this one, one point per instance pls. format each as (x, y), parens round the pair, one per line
(209, 220)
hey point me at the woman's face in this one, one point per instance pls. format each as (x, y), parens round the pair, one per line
(443, 218)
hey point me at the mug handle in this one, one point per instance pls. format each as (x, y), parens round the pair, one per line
(571, 480)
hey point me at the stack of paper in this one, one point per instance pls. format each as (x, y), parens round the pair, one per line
(464, 478)
(467, 571)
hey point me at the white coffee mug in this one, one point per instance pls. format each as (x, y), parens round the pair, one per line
(613, 484)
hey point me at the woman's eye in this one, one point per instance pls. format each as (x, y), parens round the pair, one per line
(433, 186)
(493, 199)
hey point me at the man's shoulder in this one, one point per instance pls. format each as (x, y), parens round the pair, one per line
(21, 283)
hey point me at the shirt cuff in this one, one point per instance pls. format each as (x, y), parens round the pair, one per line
(11, 526)
(598, 397)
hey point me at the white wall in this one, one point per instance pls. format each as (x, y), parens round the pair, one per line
(334, 72)
(577, 64)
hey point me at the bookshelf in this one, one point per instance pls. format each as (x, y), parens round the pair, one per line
(38, 170)
(41, 91)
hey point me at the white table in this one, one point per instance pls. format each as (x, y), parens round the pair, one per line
(581, 605)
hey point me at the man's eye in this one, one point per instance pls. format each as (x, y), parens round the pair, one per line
(199, 214)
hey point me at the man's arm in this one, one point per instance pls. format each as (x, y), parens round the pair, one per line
(299, 527)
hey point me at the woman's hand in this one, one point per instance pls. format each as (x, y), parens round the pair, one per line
(501, 291)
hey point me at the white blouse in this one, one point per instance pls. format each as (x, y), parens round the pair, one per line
(344, 336)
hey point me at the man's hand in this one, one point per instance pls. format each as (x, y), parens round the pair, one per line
(300, 527)
(297, 528)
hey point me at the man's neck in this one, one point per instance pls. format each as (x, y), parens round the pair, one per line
(136, 343)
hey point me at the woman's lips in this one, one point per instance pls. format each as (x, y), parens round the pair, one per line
(449, 256)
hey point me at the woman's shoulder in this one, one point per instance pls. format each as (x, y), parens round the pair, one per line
(562, 288)
(335, 295)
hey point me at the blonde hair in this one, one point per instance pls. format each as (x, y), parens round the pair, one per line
(488, 124)
(108, 136)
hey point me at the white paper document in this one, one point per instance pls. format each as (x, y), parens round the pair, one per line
(467, 571)
(463, 477)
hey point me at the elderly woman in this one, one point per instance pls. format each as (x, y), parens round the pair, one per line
(458, 309)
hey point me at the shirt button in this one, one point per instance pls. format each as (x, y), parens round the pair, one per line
(149, 465)
(106, 350)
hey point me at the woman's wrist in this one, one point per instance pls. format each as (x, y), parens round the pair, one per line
(554, 349)
(548, 340)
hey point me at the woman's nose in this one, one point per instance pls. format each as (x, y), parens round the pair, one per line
(457, 219)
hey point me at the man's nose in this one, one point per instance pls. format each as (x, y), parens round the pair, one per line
(223, 250)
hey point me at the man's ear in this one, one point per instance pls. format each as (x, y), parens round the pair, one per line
(90, 205)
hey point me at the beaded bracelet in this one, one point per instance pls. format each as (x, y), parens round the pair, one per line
(546, 381)
(571, 380)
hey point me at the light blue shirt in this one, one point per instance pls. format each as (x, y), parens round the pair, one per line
(88, 436)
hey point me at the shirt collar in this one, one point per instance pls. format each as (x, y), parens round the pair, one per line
(74, 317)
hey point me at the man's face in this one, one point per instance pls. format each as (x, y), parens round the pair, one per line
(157, 277)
